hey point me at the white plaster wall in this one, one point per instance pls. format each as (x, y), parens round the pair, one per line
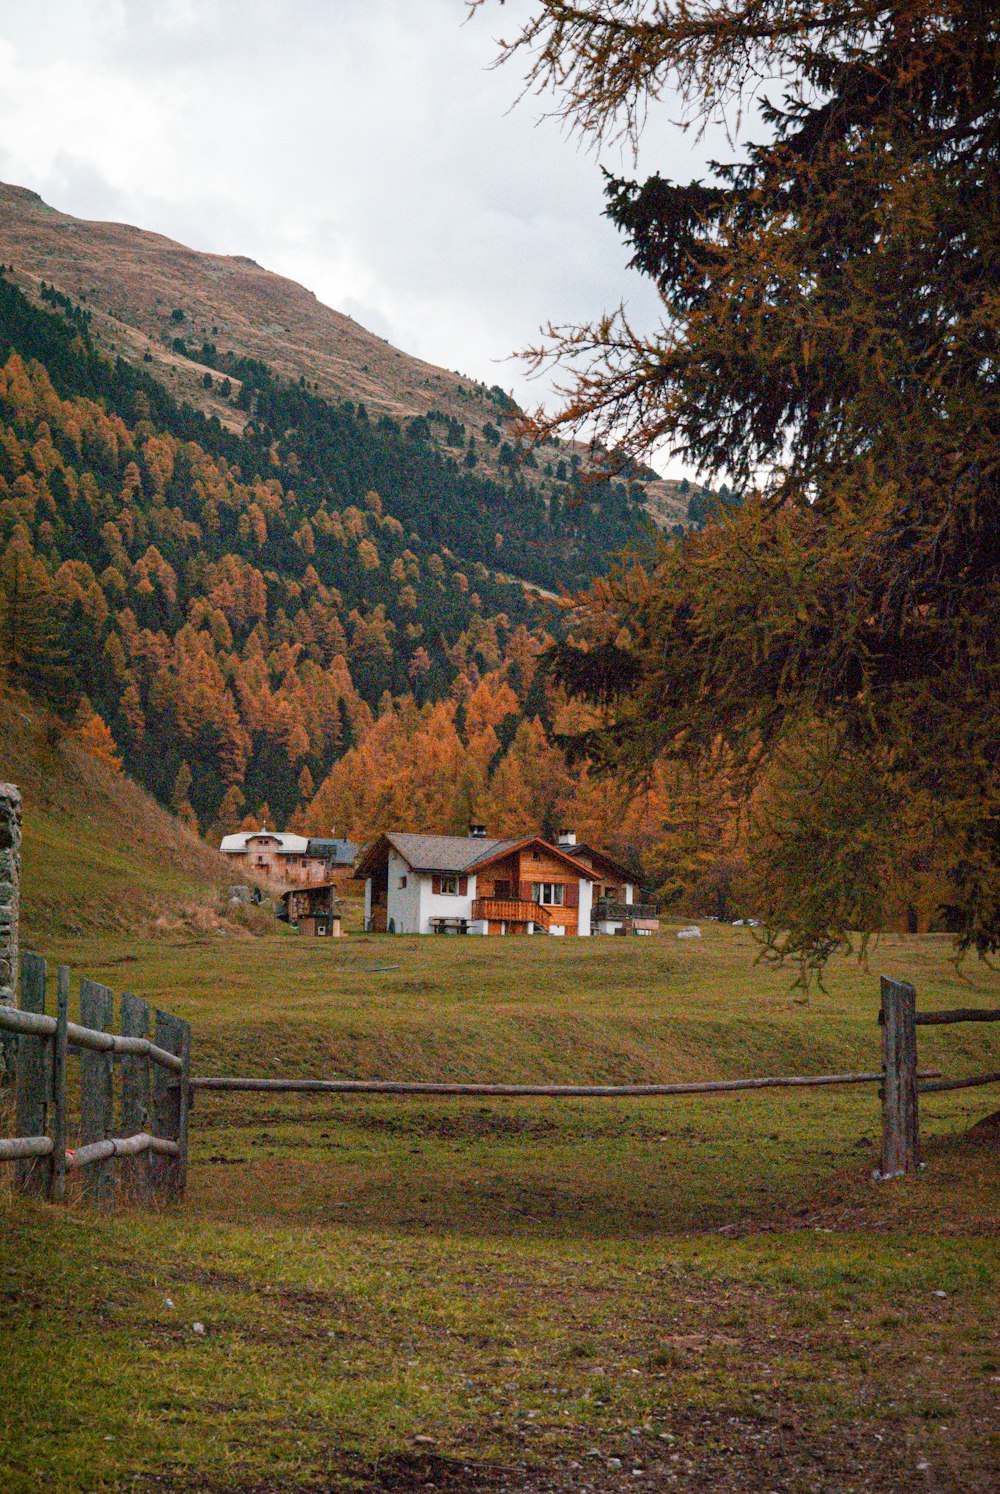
(586, 904)
(404, 902)
(435, 906)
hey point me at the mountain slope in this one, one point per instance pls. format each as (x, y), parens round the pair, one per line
(135, 281)
(161, 304)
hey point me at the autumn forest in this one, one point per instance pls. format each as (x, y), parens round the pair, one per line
(257, 634)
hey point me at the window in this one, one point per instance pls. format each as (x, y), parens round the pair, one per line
(551, 894)
(449, 887)
(402, 882)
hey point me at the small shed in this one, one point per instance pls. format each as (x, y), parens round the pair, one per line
(312, 910)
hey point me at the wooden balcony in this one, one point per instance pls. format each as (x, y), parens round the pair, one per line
(511, 910)
(607, 908)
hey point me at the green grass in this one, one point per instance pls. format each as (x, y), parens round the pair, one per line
(406, 1293)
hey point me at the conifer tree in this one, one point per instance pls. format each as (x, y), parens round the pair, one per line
(829, 336)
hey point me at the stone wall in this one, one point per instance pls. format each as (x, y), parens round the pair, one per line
(10, 888)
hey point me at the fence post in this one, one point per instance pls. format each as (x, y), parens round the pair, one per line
(32, 1075)
(57, 1171)
(96, 1085)
(170, 1105)
(10, 883)
(136, 1100)
(900, 1127)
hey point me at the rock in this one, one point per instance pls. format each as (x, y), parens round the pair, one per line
(198, 1328)
(691, 932)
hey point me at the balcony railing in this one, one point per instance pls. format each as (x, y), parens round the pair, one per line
(511, 910)
(610, 911)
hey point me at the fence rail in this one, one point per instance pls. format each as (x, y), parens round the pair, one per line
(958, 1014)
(153, 1092)
(513, 1091)
(38, 1025)
(14, 1148)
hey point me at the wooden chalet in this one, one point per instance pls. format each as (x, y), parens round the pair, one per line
(422, 884)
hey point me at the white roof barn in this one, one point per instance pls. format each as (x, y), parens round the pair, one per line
(275, 856)
(290, 845)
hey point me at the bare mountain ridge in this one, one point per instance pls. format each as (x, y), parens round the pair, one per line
(133, 281)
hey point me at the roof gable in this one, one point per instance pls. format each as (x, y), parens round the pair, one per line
(607, 864)
(533, 840)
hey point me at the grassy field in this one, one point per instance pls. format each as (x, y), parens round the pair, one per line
(703, 1293)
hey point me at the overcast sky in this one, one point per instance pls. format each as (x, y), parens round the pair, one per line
(364, 147)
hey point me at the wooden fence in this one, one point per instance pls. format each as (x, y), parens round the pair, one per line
(903, 1085)
(152, 1089)
(155, 1088)
(900, 1083)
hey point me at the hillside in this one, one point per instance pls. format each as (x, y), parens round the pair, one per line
(99, 853)
(237, 628)
(184, 314)
(190, 317)
(136, 282)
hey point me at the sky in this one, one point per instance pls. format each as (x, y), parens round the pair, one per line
(367, 148)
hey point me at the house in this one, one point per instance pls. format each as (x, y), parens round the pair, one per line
(312, 910)
(424, 884)
(339, 855)
(274, 856)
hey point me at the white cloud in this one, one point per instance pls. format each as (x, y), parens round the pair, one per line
(365, 148)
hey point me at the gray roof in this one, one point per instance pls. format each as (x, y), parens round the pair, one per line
(340, 852)
(627, 873)
(446, 853)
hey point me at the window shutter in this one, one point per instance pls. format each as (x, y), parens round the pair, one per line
(525, 893)
(463, 886)
(572, 894)
(435, 884)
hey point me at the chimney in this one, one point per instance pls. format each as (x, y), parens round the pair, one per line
(477, 832)
(567, 838)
